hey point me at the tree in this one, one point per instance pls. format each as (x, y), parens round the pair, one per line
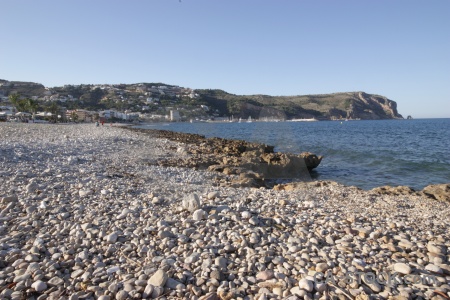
(23, 105)
(54, 109)
(32, 105)
(20, 104)
(74, 116)
(14, 98)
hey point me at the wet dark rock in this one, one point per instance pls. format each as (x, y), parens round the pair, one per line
(394, 191)
(253, 163)
(438, 191)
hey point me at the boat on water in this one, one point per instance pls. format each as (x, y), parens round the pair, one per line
(303, 120)
(249, 119)
(197, 120)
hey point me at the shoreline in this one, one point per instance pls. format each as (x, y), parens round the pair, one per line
(196, 146)
(87, 212)
(253, 161)
(351, 157)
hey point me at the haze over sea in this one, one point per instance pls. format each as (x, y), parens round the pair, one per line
(365, 154)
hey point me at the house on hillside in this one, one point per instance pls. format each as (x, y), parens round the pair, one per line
(127, 116)
(174, 115)
(82, 115)
(6, 112)
(107, 114)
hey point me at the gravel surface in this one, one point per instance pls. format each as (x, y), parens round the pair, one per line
(86, 213)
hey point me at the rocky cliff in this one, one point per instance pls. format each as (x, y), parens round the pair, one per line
(353, 105)
(372, 107)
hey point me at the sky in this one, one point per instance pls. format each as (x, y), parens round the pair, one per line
(399, 49)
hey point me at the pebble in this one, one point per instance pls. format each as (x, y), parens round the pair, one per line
(438, 249)
(210, 296)
(148, 291)
(306, 285)
(191, 202)
(265, 275)
(159, 278)
(39, 286)
(122, 295)
(32, 187)
(112, 238)
(157, 200)
(113, 288)
(402, 268)
(213, 195)
(371, 282)
(9, 199)
(199, 215)
(433, 268)
(321, 267)
(221, 262)
(55, 281)
(174, 285)
(246, 215)
(298, 291)
(115, 224)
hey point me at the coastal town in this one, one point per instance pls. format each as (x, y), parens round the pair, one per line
(158, 102)
(91, 103)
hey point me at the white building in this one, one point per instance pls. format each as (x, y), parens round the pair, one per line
(174, 115)
(107, 114)
(127, 116)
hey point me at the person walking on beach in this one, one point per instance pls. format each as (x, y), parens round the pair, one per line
(96, 124)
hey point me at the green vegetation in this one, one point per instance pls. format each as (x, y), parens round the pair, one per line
(54, 109)
(159, 98)
(23, 104)
(326, 106)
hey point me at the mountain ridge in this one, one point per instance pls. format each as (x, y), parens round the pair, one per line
(159, 97)
(350, 105)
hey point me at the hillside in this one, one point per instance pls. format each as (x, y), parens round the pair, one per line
(159, 98)
(355, 105)
(21, 87)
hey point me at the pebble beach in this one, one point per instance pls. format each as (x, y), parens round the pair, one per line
(87, 213)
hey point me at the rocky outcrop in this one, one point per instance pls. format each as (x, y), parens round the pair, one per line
(372, 107)
(253, 164)
(438, 191)
(360, 105)
(394, 191)
(303, 185)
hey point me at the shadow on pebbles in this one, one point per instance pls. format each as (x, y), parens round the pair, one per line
(88, 213)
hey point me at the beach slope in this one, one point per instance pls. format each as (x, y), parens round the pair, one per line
(89, 213)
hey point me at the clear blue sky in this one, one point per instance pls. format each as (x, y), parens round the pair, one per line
(399, 49)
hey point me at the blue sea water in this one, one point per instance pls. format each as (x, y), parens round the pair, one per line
(365, 154)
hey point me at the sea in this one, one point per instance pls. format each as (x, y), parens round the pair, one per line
(363, 153)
